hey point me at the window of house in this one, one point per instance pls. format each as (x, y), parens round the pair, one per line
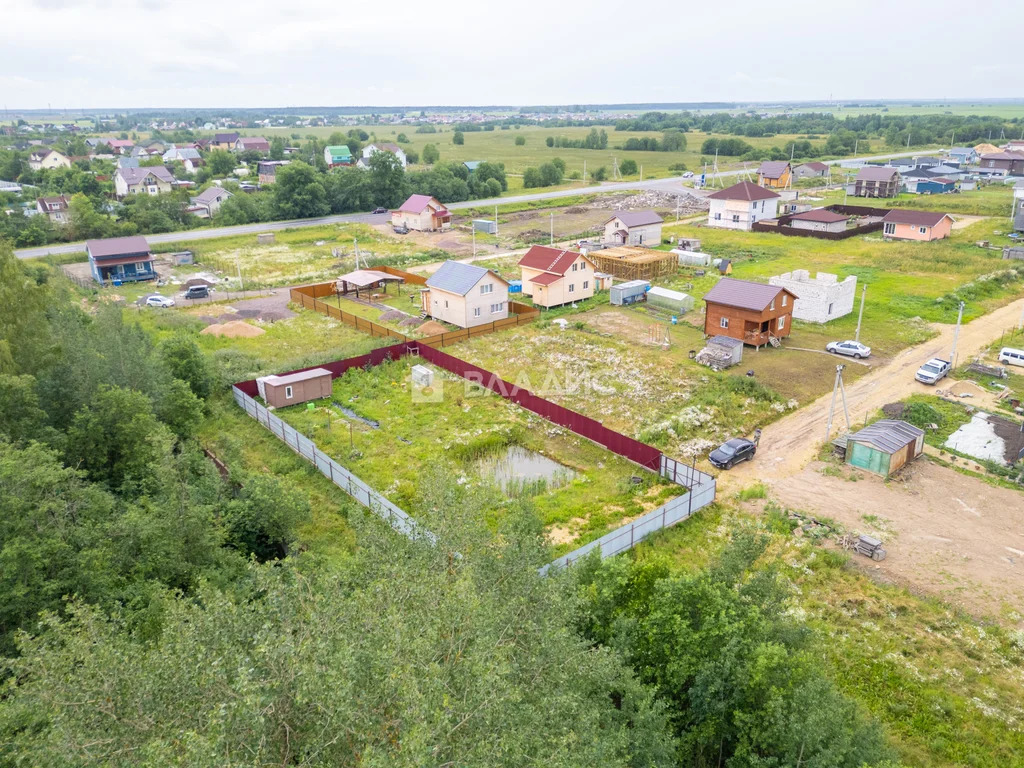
(922, 230)
(287, 393)
(890, 228)
(572, 287)
(771, 306)
(495, 308)
(486, 288)
(723, 322)
(583, 266)
(446, 303)
(782, 322)
(718, 217)
(785, 299)
(735, 218)
(574, 267)
(586, 284)
(476, 311)
(830, 309)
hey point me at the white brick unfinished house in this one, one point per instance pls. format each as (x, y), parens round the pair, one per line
(821, 298)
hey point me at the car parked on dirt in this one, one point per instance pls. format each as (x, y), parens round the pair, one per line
(197, 292)
(933, 371)
(401, 230)
(156, 300)
(380, 209)
(732, 452)
(852, 349)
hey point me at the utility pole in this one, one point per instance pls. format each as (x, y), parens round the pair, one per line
(677, 208)
(840, 389)
(956, 336)
(238, 264)
(863, 293)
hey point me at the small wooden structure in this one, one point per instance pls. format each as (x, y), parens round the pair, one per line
(365, 278)
(294, 388)
(721, 352)
(885, 446)
(630, 262)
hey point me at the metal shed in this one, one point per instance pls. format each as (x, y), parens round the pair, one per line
(885, 446)
(669, 299)
(628, 293)
(485, 225)
(301, 387)
(721, 352)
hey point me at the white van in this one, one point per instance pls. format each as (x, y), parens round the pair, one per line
(1011, 356)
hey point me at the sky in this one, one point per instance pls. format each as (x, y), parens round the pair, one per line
(85, 54)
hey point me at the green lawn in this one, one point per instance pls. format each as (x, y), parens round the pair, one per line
(455, 433)
(990, 200)
(908, 284)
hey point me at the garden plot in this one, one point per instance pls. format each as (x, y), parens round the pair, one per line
(375, 427)
(640, 390)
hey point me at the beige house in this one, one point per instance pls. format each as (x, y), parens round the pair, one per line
(465, 295)
(554, 277)
(422, 213)
(48, 159)
(634, 228)
(55, 208)
(295, 388)
(142, 181)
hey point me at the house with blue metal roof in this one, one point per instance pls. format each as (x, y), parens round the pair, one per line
(465, 295)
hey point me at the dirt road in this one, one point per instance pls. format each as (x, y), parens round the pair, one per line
(788, 444)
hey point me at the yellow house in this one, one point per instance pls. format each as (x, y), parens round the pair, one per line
(48, 159)
(554, 277)
(465, 295)
(774, 174)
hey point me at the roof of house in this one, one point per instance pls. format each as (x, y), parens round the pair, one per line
(942, 180)
(1003, 156)
(225, 138)
(253, 141)
(211, 195)
(549, 259)
(364, 277)
(339, 150)
(919, 173)
(417, 203)
(117, 246)
(545, 278)
(961, 150)
(459, 278)
(914, 218)
(637, 218)
(115, 143)
(387, 147)
(472, 164)
(292, 378)
(743, 294)
(876, 173)
(60, 201)
(743, 191)
(183, 153)
(815, 166)
(135, 175)
(887, 435)
(821, 215)
(773, 169)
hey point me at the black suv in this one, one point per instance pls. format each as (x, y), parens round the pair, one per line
(732, 452)
(197, 292)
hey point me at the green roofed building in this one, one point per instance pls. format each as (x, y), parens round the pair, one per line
(337, 155)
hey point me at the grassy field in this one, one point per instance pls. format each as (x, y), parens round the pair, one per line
(990, 200)
(500, 146)
(591, 492)
(909, 284)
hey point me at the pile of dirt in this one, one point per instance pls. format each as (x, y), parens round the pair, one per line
(654, 199)
(391, 314)
(233, 330)
(409, 321)
(577, 209)
(431, 328)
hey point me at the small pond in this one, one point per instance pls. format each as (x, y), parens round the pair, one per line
(519, 471)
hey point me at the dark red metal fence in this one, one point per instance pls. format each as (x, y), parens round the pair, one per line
(641, 453)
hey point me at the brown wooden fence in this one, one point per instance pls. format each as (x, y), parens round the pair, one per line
(309, 297)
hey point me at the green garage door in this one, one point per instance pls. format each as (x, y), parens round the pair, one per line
(866, 457)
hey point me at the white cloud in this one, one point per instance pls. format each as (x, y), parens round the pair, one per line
(148, 53)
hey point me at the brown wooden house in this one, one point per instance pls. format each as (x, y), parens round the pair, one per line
(295, 388)
(755, 313)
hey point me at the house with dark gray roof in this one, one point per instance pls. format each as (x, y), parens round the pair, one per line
(885, 446)
(754, 313)
(206, 204)
(120, 259)
(774, 173)
(154, 180)
(634, 228)
(465, 295)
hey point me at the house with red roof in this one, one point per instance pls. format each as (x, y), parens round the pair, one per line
(422, 213)
(252, 144)
(739, 206)
(553, 276)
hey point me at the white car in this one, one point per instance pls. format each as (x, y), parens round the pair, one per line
(159, 301)
(852, 349)
(688, 175)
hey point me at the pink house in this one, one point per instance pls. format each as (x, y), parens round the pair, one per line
(904, 224)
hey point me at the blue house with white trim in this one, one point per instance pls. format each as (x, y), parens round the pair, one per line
(120, 259)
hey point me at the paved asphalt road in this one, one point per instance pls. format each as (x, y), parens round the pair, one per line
(670, 184)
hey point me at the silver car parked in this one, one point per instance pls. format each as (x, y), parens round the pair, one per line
(852, 349)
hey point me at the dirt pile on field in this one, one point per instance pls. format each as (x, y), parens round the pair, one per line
(690, 201)
(431, 328)
(233, 330)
